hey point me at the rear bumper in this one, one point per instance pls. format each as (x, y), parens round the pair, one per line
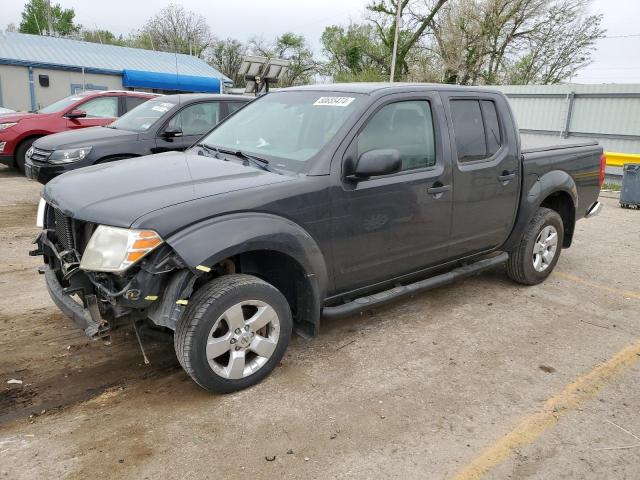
(593, 210)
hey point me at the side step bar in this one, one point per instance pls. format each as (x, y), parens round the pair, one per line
(377, 299)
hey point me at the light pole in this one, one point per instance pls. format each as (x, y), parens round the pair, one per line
(395, 39)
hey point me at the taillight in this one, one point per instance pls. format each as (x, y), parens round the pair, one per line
(603, 164)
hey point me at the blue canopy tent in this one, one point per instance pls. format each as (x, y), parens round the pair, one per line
(170, 81)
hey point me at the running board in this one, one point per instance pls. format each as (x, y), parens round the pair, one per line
(377, 299)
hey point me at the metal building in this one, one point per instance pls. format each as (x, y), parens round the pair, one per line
(38, 70)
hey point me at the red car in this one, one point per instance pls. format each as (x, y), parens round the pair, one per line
(88, 109)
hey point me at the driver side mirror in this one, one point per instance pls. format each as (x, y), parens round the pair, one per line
(76, 113)
(383, 161)
(172, 132)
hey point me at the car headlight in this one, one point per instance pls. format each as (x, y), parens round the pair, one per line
(4, 126)
(113, 249)
(70, 155)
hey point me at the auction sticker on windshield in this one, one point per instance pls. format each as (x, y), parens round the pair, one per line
(334, 101)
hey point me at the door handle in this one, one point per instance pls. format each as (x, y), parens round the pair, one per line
(438, 188)
(506, 177)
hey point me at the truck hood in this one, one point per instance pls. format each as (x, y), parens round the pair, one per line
(118, 193)
(84, 137)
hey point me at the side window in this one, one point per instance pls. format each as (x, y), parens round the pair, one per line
(476, 129)
(196, 119)
(132, 102)
(103, 107)
(406, 126)
(235, 106)
(491, 126)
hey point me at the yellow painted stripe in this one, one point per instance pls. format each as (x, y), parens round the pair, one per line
(182, 302)
(616, 159)
(617, 291)
(531, 427)
(203, 268)
(151, 297)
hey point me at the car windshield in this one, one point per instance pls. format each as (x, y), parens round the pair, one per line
(62, 104)
(288, 128)
(143, 116)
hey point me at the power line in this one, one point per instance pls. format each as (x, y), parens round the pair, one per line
(631, 35)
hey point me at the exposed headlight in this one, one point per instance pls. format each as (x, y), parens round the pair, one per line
(4, 126)
(112, 249)
(70, 155)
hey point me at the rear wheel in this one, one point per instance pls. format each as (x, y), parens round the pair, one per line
(234, 332)
(21, 152)
(535, 257)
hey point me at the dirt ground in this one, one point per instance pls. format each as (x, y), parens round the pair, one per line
(480, 379)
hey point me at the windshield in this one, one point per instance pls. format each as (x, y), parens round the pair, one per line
(286, 127)
(61, 104)
(143, 116)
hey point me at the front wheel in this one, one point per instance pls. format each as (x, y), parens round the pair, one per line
(233, 333)
(535, 257)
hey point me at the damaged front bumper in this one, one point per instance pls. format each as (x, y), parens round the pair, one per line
(88, 319)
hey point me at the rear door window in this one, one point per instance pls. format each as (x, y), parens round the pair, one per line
(476, 129)
(132, 102)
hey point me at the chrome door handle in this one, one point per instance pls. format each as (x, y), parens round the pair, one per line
(506, 177)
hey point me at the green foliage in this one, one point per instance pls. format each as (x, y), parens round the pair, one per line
(226, 56)
(102, 36)
(35, 19)
(354, 52)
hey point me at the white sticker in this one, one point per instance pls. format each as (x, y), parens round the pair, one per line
(334, 101)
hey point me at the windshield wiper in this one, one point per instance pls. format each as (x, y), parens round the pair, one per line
(262, 163)
(206, 147)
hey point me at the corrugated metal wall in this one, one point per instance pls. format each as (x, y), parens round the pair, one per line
(607, 113)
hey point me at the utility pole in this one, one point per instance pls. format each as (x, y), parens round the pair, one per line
(395, 39)
(49, 23)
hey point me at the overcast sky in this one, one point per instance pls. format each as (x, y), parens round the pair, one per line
(616, 61)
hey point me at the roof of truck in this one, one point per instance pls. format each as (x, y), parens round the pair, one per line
(369, 88)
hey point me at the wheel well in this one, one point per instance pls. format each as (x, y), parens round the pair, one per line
(562, 203)
(25, 139)
(288, 276)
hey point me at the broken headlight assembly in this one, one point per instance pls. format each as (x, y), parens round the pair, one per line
(113, 249)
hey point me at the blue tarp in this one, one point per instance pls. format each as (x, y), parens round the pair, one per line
(170, 81)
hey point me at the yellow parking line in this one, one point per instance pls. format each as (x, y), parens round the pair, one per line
(573, 278)
(531, 427)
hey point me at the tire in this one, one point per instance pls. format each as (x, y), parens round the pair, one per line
(522, 266)
(214, 313)
(21, 152)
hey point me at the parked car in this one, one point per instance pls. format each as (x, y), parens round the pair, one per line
(311, 201)
(172, 122)
(4, 111)
(88, 109)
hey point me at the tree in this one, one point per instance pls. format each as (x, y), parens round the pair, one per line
(226, 56)
(562, 45)
(102, 36)
(417, 16)
(174, 29)
(289, 46)
(520, 41)
(35, 17)
(354, 53)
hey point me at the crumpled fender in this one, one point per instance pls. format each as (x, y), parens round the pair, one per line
(207, 243)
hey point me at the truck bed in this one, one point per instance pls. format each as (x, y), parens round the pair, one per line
(543, 143)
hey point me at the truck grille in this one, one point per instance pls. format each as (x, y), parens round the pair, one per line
(39, 155)
(64, 230)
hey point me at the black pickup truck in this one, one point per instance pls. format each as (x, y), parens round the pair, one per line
(309, 202)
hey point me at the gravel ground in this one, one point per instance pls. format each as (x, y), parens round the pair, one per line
(480, 379)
